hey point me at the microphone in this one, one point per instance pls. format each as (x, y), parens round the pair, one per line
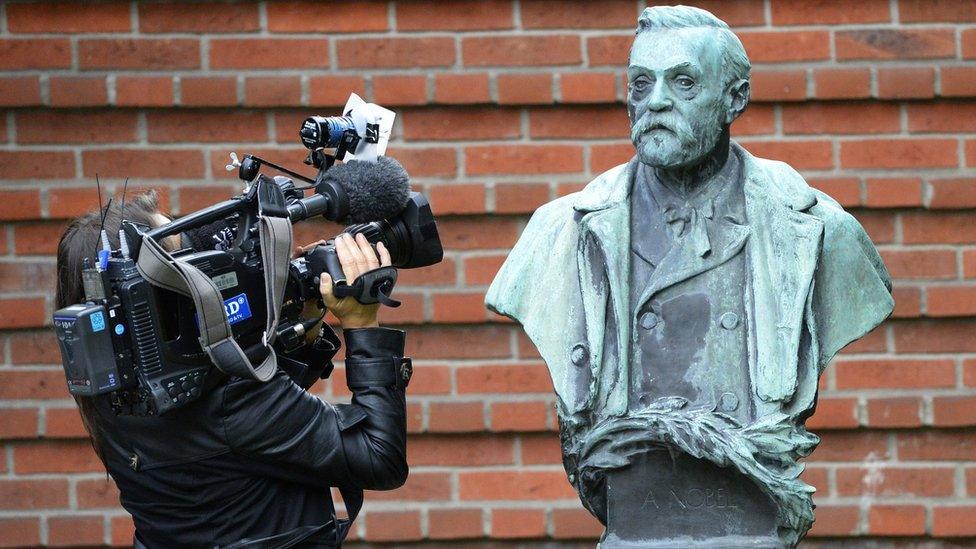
(357, 191)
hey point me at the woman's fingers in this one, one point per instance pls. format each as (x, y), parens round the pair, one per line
(357, 256)
(371, 261)
(346, 259)
(384, 254)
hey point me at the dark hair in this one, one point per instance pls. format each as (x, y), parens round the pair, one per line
(81, 239)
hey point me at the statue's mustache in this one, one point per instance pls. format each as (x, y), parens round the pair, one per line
(652, 121)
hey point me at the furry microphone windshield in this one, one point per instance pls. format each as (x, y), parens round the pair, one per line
(376, 190)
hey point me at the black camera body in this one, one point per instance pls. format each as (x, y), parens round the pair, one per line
(140, 342)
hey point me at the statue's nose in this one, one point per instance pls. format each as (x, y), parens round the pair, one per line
(659, 100)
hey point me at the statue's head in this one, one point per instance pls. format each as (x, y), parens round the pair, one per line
(688, 81)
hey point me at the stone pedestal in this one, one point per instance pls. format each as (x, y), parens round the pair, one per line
(665, 500)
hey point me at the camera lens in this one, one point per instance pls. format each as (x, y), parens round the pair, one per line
(325, 131)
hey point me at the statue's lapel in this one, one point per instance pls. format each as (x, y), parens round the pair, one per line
(782, 252)
(604, 269)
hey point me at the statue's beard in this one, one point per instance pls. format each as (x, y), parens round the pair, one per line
(664, 140)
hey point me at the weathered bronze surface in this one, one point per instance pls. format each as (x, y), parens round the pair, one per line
(686, 304)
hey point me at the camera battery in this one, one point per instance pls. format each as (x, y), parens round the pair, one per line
(87, 355)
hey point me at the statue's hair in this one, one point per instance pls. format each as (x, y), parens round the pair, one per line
(735, 62)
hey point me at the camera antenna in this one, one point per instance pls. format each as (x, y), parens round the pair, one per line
(98, 187)
(123, 243)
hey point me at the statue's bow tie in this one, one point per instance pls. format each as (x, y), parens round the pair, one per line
(690, 222)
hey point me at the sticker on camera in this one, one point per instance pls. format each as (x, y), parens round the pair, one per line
(237, 309)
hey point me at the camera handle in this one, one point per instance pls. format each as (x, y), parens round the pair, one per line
(373, 286)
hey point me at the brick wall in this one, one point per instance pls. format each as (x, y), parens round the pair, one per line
(502, 106)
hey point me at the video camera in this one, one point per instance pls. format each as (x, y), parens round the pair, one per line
(155, 323)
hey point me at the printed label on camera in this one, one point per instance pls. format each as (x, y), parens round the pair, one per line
(237, 309)
(226, 280)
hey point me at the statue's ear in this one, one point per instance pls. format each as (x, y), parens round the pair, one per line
(738, 99)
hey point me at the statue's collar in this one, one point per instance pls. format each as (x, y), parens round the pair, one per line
(612, 188)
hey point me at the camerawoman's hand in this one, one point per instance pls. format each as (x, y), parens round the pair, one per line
(356, 257)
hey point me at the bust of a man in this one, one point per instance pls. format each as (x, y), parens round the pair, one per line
(686, 303)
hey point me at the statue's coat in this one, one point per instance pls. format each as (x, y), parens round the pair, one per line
(816, 284)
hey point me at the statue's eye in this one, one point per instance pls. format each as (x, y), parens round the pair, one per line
(640, 84)
(684, 82)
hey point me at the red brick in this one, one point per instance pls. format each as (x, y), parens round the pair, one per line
(519, 416)
(461, 124)
(200, 196)
(894, 374)
(887, 481)
(969, 263)
(457, 199)
(952, 193)
(74, 127)
(894, 412)
(520, 197)
(455, 523)
(168, 164)
(16, 423)
(268, 53)
(553, 14)
(208, 91)
(958, 81)
(841, 118)
(968, 43)
(419, 487)
(456, 417)
(937, 337)
(936, 446)
(588, 87)
(788, 85)
(813, 13)
(942, 117)
(799, 154)
(75, 530)
(21, 532)
(954, 521)
(578, 122)
(525, 89)
(174, 126)
(782, 47)
(460, 450)
(894, 192)
(899, 153)
(914, 263)
(37, 238)
(333, 18)
(851, 446)
(758, 119)
(834, 413)
(457, 308)
(122, 530)
(400, 89)
(517, 523)
(461, 88)
(426, 162)
(35, 53)
(842, 83)
(835, 520)
(393, 526)
(938, 228)
(272, 91)
(64, 423)
(951, 300)
(20, 204)
(334, 90)
(527, 159)
(906, 83)
(444, 272)
(84, 17)
(908, 302)
(202, 17)
(139, 53)
(435, 51)
(514, 484)
(954, 411)
(527, 50)
(27, 312)
(530, 377)
(896, 520)
(455, 16)
(78, 91)
(143, 91)
(602, 158)
(56, 457)
(845, 190)
(481, 270)
(20, 91)
(903, 43)
(27, 275)
(970, 153)
(609, 49)
(575, 524)
(97, 493)
(540, 449)
(935, 11)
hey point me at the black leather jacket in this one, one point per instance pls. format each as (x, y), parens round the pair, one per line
(251, 460)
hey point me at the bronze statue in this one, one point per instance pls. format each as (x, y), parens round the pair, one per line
(686, 303)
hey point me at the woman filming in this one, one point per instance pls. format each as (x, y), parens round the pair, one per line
(249, 464)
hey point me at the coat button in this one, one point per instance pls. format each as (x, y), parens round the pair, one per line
(729, 320)
(728, 402)
(649, 320)
(580, 355)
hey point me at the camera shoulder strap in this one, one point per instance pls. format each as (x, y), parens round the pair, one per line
(216, 338)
